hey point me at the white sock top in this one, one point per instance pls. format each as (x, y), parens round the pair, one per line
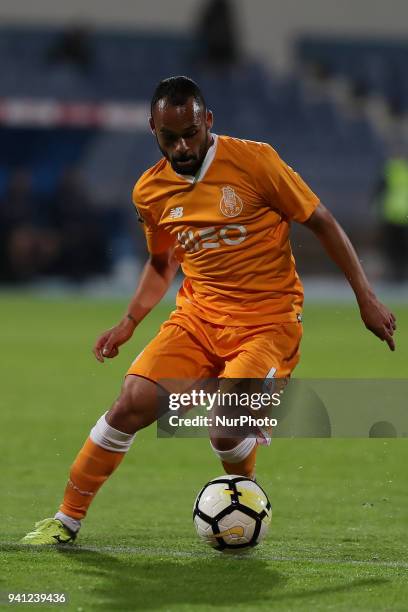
(110, 438)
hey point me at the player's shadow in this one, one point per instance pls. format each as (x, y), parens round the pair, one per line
(136, 583)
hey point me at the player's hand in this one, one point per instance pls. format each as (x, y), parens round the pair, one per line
(107, 345)
(379, 320)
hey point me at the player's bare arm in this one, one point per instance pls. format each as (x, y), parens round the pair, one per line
(376, 317)
(156, 278)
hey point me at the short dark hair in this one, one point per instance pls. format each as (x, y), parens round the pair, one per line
(177, 90)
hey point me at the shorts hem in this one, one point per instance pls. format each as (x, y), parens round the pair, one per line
(149, 378)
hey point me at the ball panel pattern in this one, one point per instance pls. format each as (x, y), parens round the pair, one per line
(232, 512)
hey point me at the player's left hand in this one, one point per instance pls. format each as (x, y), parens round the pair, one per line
(379, 320)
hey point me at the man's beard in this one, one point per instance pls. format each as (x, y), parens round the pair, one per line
(189, 168)
(195, 162)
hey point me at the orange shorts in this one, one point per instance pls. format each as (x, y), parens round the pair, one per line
(187, 347)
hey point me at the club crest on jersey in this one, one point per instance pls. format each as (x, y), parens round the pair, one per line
(231, 204)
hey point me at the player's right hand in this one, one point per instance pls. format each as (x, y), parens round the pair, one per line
(107, 345)
(379, 320)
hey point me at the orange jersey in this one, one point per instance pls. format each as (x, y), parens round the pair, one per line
(230, 226)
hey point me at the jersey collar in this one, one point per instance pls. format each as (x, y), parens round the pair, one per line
(208, 159)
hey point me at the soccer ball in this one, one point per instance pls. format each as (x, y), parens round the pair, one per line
(232, 512)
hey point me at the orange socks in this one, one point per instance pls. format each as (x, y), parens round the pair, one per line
(96, 461)
(104, 450)
(91, 468)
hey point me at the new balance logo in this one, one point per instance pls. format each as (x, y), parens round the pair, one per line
(176, 213)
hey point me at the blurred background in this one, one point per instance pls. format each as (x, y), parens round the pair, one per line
(324, 82)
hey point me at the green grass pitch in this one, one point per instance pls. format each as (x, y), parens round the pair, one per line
(338, 535)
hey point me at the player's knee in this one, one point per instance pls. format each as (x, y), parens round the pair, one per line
(136, 406)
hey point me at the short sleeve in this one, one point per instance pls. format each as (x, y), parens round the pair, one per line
(157, 239)
(283, 188)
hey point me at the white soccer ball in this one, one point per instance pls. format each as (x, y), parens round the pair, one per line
(232, 512)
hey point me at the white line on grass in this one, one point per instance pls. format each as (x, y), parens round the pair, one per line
(157, 552)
